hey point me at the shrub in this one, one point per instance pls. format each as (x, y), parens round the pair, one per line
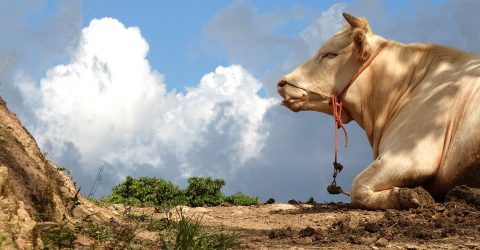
(201, 191)
(204, 191)
(146, 191)
(240, 199)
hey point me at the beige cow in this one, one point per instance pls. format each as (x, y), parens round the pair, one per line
(419, 105)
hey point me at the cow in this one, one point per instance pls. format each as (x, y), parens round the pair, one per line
(417, 103)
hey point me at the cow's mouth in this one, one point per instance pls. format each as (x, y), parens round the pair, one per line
(294, 98)
(294, 104)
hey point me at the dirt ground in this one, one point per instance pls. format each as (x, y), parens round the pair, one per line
(450, 225)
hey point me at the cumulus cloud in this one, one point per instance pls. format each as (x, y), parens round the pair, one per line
(323, 27)
(107, 105)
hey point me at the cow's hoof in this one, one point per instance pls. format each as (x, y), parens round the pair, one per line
(465, 194)
(414, 198)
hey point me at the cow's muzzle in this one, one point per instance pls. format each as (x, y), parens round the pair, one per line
(293, 97)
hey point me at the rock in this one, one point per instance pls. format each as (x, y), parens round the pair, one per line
(307, 232)
(371, 227)
(293, 202)
(270, 201)
(34, 193)
(382, 242)
(310, 201)
(280, 233)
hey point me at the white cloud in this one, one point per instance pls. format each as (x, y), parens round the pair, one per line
(109, 105)
(324, 26)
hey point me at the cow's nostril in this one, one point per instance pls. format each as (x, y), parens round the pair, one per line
(282, 83)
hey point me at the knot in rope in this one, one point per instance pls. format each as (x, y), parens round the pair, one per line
(337, 114)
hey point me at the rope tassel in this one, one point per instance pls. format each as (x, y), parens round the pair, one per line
(337, 167)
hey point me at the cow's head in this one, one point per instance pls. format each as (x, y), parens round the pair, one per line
(310, 86)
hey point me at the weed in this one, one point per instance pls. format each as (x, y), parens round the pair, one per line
(98, 179)
(98, 232)
(188, 231)
(61, 237)
(189, 234)
(6, 242)
(113, 234)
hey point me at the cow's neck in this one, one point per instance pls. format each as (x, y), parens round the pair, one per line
(382, 90)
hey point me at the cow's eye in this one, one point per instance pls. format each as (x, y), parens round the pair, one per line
(330, 55)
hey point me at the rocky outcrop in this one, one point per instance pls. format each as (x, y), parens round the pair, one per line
(34, 193)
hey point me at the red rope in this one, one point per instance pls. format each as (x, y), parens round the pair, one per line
(337, 106)
(337, 114)
(363, 68)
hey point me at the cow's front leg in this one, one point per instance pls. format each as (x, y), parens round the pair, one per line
(383, 185)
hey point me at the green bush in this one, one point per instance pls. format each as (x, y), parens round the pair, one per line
(204, 191)
(201, 191)
(146, 191)
(240, 199)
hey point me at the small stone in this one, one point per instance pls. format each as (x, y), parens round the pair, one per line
(293, 202)
(271, 234)
(382, 242)
(371, 227)
(310, 201)
(270, 201)
(307, 232)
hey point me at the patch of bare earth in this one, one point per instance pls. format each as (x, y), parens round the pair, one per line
(450, 225)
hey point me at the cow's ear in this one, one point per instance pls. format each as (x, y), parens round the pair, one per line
(360, 29)
(356, 22)
(362, 48)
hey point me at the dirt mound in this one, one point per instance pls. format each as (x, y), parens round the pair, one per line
(35, 196)
(464, 194)
(450, 225)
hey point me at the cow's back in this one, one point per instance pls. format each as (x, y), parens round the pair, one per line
(461, 162)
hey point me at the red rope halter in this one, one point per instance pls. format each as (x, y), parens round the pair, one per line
(337, 109)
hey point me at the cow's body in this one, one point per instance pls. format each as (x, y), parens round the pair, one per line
(418, 104)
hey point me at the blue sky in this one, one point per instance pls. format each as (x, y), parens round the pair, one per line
(174, 89)
(175, 29)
